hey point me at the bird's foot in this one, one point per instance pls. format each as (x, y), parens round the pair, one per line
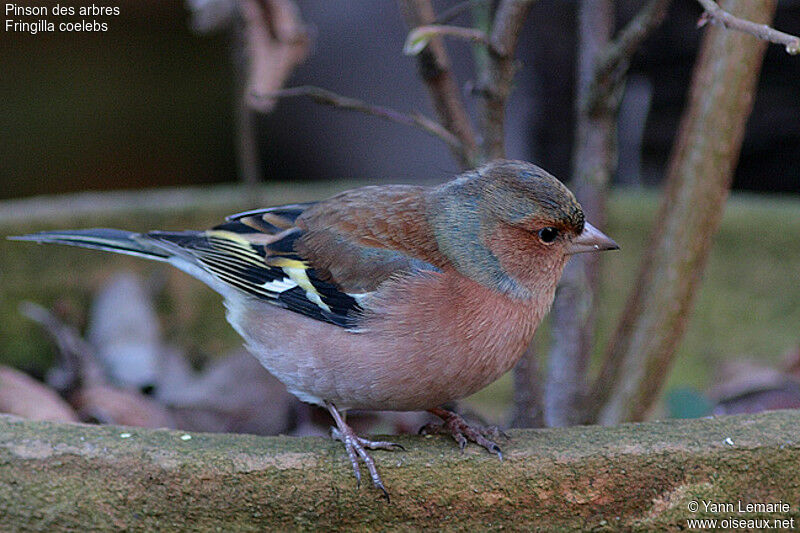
(455, 426)
(357, 449)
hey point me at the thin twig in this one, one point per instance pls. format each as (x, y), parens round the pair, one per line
(630, 37)
(419, 37)
(717, 15)
(613, 64)
(482, 15)
(274, 40)
(434, 67)
(324, 96)
(247, 156)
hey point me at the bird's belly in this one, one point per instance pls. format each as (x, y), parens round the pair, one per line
(368, 370)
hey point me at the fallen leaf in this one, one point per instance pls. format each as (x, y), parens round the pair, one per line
(21, 395)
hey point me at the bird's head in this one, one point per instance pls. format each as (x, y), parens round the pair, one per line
(511, 225)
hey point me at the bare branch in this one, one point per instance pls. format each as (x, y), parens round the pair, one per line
(602, 66)
(613, 63)
(419, 37)
(274, 40)
(593, 161)
(495, 73)
(495, 82)
(633, 34)
(434, 67)
(247, 156)
(508, 22)
(324, 96)
(717, 15)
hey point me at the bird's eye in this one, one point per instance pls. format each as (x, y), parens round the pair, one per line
(548, 235)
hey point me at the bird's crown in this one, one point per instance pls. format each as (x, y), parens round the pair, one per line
(518, 192)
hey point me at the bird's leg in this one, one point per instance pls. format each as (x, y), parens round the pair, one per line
(462, 432)
(355, 447)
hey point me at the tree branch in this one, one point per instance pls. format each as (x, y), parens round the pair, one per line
(702, 162)
(62, 477)
(717, 15)
(434, 67)
(612, 65)
(276, 41)
(602, 66)
(495, 81)
(324, 96)
(452, 13)
(495, 75)
(248, 159)
(593, 161)
(508, 23)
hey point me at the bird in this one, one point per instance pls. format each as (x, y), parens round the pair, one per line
(385, 297)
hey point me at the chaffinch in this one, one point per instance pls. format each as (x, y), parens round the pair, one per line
(392, 297)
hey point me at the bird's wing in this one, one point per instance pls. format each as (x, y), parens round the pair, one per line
(323, 268)
(321, 260)
(263, 266)
(355, 240)
(271, 220)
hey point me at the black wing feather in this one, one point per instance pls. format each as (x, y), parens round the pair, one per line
(274, 272)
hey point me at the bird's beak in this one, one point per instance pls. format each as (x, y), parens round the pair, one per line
(591, 239)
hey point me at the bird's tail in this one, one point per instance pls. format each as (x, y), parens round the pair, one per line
(111, 240)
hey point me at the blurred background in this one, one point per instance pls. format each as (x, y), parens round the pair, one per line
(155, 102)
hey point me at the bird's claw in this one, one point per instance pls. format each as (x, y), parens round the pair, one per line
(462, 432)
(357, 448)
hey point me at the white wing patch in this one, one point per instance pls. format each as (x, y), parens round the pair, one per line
(279, 285)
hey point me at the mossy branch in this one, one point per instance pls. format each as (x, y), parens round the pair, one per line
(58, 477)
